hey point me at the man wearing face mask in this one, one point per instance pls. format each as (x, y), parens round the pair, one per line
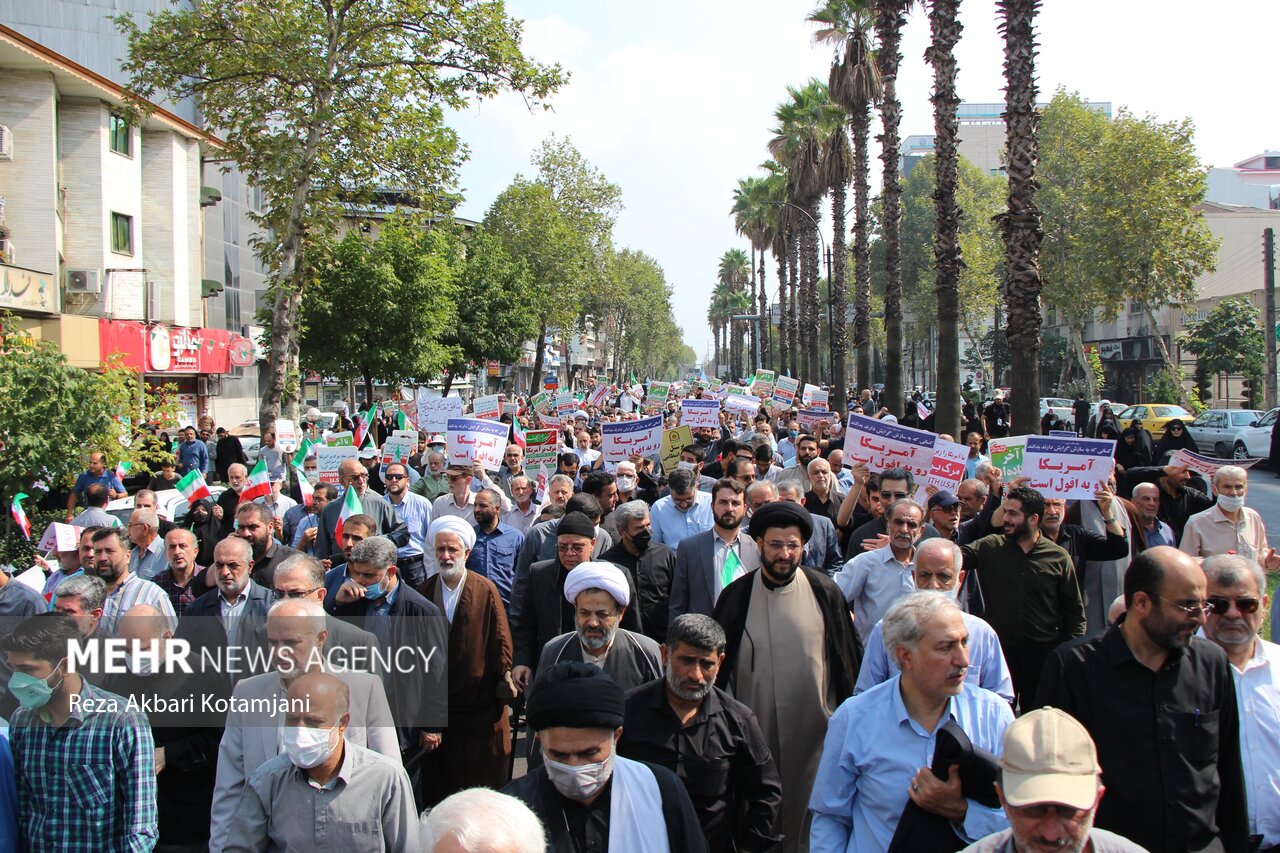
(1229, 525)
(69, 737)
(627, 480)
(587, 796)
(323, 782)
(652, 564)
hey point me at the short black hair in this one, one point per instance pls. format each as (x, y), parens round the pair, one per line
(586, 504)
(727, 483)
(44, 636)
(96, 495)
(903, 474)
(596, 482)
(729, 447)
(763, 453)
(693, 450)
(736, 466)
(806, 436)
(1145, 574)
(567, 458)
(1032, 501)
(107, 532)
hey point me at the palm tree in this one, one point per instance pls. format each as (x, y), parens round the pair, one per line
(890, 19)
(854, 84)
(754, 218)
(734, 272)
(944, 27)
(1020, 224)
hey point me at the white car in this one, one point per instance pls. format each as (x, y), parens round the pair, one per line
(1255, 441)
(170, 503)
(1061, 407)
(1217, 432)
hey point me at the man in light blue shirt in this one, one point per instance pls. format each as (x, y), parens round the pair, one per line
(880, 743)
(938, 567)
(684, 512)
(873, 580)
(416, 512)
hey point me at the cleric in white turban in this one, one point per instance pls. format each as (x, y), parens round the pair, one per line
(452, 524)
(597, 575)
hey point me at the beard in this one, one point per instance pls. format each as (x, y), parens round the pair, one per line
(1031, 842)
(450, 570)
(1168, 633)
(729, 521)
(781, 570)
(484, 519)
(108, 573)
(687, 693)
(1021, 531)
(596, 642)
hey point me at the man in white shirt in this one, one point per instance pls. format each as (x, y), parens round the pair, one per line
(874, 580)
(1236, 592)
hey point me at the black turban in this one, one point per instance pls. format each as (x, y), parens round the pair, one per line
(781, 514)
(577, 695)
(576, 524)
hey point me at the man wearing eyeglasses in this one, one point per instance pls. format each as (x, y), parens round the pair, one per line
(1237, 606)
(416, 512)
(895, 485)
(302, 577)
(352, 475)
(1161, 706)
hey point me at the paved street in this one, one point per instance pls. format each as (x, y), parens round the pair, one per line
(1264, 496)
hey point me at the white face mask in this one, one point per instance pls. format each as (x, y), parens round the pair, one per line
(582, 781)
(685, 464)
(626, 484)
(309, 747)
(1231, 503)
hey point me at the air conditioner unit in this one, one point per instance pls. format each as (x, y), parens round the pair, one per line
(84, 281)
(6, 143)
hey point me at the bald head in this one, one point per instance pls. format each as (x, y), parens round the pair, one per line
(144, 623)
(318, 700)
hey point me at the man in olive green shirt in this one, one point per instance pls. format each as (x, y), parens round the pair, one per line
(435, 482)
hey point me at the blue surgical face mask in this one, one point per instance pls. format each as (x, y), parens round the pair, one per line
(31, 692)
(373, 593)
(792, 433)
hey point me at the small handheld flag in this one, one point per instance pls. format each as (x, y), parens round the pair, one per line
(20, 515)
(402, 420)
(259, 485)
(542, 483)
(193, 487)
(351, 505)
(304, 485)
(364, 424)
(123, 468)
(300, 458)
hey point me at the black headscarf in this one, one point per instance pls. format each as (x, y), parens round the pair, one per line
(1132, 455)
(1170, 442)
(206, 529)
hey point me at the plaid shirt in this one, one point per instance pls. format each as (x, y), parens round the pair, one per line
(90, 784)
(179, 596)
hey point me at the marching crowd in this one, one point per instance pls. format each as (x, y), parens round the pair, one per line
(758, 646)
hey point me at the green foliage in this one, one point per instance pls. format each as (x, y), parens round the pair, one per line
(495, 315)
(1229, 339)
(1168, 386)
(643, 329)
(1095, 367)
(379, 308)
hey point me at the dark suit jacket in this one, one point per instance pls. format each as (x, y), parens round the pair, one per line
(390, 524)
(693, 587)
(823, 548)
(544, 614)
(201, 625)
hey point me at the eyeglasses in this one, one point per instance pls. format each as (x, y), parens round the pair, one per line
(580, 548)
(1219, 606)
(391, 477)
(355, 478)
(281, 594)
(1175, 429)
(1189, 608)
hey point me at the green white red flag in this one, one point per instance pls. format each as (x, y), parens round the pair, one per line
(304, 485)
(20, 515)
(259, 485)
(351, 505)
(193, 487)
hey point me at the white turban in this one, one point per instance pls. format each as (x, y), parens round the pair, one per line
(452, 524)
(597, 575)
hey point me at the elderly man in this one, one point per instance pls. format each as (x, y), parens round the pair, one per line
(524, 509)
(809, 663)
(879, 744)
(1050, 786)
(1151, 529)
(352, 475)
(599, 594)
(302, 577)
(459, 501)
(479, 820)
(685, 512)
(1229, 526)
(256, 525)
(1178, 501)
(939, 566)
(627, 480)
(806, 451)
(225, 508)
(324, 781)
(475, 748)
(822, 551)
(824, 496)
(943, 512)
(1236, 594)
(181, 579)
(512, 467)
(225, 621)
(895, 485)
(683, 722)
(1161, 706)
(577, 712)
(708, 562)
(147, 558)
(652, 564)
(497, 545)
(124, 588)
(146, 499)
(296, 638)
(972, 493)
(435, 482)
(874, 580)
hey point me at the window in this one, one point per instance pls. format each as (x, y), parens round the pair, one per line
(122, 234)
(120, 135)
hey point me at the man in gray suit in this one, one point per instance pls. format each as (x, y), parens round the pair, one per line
(296, 637)
(707, 562)
(302, 577)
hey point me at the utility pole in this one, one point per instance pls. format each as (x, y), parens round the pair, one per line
(1269, 314)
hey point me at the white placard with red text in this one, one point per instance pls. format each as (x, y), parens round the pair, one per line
(471, 440)
(622, 440)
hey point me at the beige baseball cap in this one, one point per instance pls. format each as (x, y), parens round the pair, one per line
(1049, 758)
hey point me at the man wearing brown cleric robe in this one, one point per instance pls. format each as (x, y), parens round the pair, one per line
(791, 656)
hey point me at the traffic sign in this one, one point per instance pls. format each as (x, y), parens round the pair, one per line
(977, 374)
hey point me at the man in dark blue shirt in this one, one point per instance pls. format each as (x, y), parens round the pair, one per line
(96, 475)
(193, 455)
(497, 545)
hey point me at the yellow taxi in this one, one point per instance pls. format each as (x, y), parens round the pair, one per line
(1153, 417)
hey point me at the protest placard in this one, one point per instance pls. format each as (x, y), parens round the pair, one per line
(735, 391)
(388, 407)
(1204, 464)
(700, 413)
(398, 447)
(286, 435)
(566, 405)
(816, 398)
(715, 388)
(471, 440)
(673, 441)
(784, 393)
(623, 440)
(340, 439)
(763, 384)
(742, 405)
(881, 446)
(946, 471)
(541, 401)
(434, 412)
(1072, 468)
(810, 418)
(657, 396)
(489, 408)
(1063, 433)
(329, 457)
(541, 446)
(1006, 454)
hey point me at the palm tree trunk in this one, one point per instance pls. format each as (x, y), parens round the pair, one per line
(889, 23)
(784, 304)
(812, 326)
(763, 327)
(839, 297)
(861, 123)
(793, 319)
(944, 25)
(751, 327)
(1020, 224)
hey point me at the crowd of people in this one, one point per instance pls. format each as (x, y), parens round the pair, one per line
(758, 646)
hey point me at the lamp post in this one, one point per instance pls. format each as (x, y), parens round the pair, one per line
(826, 254)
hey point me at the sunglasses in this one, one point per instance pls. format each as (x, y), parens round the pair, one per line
(1219, 606)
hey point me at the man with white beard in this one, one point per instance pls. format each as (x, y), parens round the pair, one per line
(683, 722)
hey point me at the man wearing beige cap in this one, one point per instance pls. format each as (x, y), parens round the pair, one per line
(1050, 786)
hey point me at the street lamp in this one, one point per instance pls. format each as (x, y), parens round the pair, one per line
(826, 254)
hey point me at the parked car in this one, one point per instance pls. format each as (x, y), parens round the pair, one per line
(1153, 416)
(170, 502)
(1217, 431)
(1254, 442)
(1061, 407)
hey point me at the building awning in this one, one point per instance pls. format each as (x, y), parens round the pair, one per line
(158, 348)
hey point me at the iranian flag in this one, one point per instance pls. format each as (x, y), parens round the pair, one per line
(402, 420)
(123, 469)
(300, 458)
(363, 424)
(304, 485)
(541, 494)
(193, 487)
(259, 485)
(20, 515)
(350, 506)
(517, 433)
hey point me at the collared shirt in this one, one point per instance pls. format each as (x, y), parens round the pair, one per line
(415, 510)
(741, 545)
(95, 517)
(494, 557)
(279, 506)
(1212, 532)
(1168, 741)
(231, 611)
(368, 809)
(1031, 598)
(671, 525)
(522, 519)
(431, 486)
(451, 596)
(1162, 534)
(304, 524)
(377, 619)
(148, 562)
(193, 456)
(292, 518)
(89, 784)
(720, 755)
(130, 591)
(1258, 694)
(179, 596)
(106, 479)
(971, 465)
(445, 505)
(871, 582)
(872, 750)
(987, 666)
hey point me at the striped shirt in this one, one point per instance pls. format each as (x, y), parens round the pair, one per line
(88, 785)
(130, 591)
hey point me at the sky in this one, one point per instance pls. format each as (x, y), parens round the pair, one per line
(674, 101)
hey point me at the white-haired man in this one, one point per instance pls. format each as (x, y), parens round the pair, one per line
(479, 820)
(1229, 527)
